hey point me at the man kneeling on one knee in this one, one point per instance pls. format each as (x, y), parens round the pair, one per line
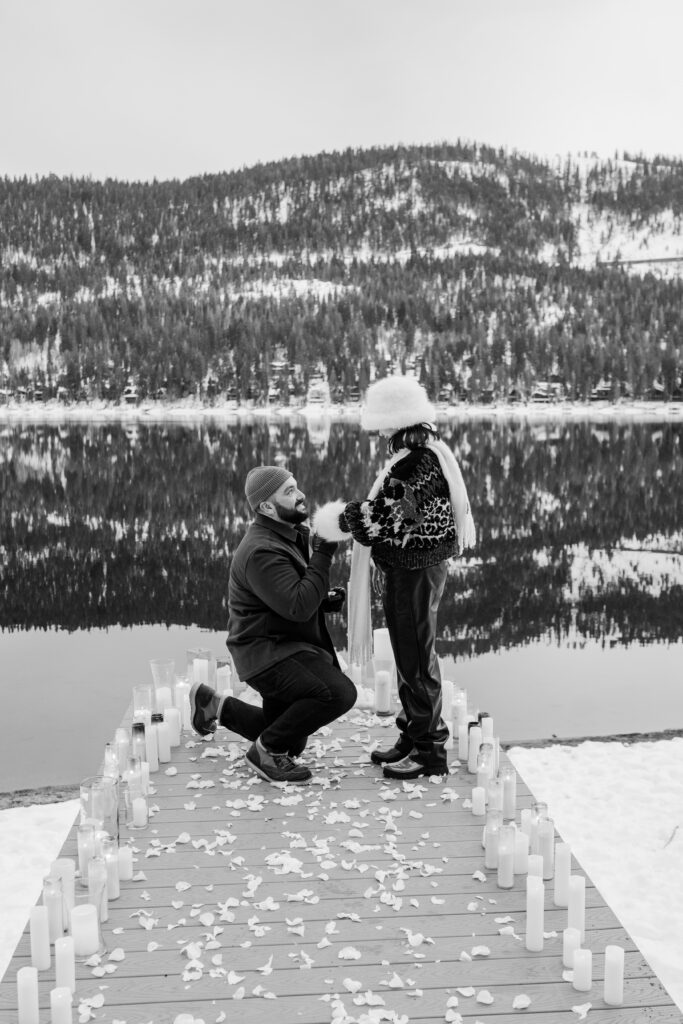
(278, 593)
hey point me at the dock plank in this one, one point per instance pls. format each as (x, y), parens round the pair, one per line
(277, 882)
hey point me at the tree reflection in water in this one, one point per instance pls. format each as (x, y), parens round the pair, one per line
(108, 524)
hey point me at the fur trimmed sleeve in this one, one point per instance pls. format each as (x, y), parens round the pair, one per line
(328, 522)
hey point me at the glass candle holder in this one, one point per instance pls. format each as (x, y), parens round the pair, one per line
(538, 810)
(86, 850)
(53, 900)
(97, 886)
(182, 702)
(382, 693)
(506, 856)
(495, 794)
(201, 666)
(110, 764)
(135, 804)
(142, 703)
(85, 927)
(163, 676)
(508, 778)
(224, 676)
(494, 821)
(110, 852)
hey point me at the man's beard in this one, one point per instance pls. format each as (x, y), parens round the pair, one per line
(290, 515)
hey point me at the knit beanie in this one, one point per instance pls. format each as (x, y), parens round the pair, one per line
(262, 481)
(394, 403)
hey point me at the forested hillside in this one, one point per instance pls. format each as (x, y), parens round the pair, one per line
(485, 270)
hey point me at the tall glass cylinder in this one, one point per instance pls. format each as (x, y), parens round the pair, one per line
(506, 856)
(86, 851)
(163, 677)
(53, 900)
(508, 778)
(143, 703)
(97, 886)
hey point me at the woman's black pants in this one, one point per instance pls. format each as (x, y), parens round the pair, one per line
(411, 601)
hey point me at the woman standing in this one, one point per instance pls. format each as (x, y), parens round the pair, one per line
(416, 517)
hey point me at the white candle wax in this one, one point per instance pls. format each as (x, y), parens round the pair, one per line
(382, 644)
(535, 898)
(85, 929)
(223, 677)
(509, 793)
(40, 938)
(583, 970)
(491, 836)
(563, 863)
(525, 822)
(139, 812)
(180, 692)
(65, 963)
(571, 941)
(521, 853)
(86, 850)
(152, 748)
(172, 719)
(111, 860)
(200, 668)
(27, 995)
(535, 865)
(474, 742)
(54, 904)
(506, 857)
(576, 909)
(494, 794)
(614, 975)
(125, 863)
(60, 1006)
(164, 698)
(478, 801)
(487, 729)
(382, 692)
(483, 777)
(122, 751)
(65, 869)
(97, 886)
(144, 777)
(164, 740)
(462, 742)
(546, 846)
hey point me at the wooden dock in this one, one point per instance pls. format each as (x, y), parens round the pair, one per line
(351, 899)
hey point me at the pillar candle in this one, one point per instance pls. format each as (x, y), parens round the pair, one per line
(122, 742)
(86, 849)
(181, 695)
(60, 1006)
(65, 963)
(509, 779)
(576, 909)
(97, 886)
(462, 742)
(223, 676)
(139, 811)
(172, 718)
(583, 970)
(535, 898)
(54, 904)
(64, 868)
(494, 794)
(152, 748)
(111, 859)
(381, 644)
(525, 821)
(563, 862)
(478, 801)
(382, 692)
(163, 698)
(138, 746)
(40, 938)
(486, 723)
(571, 941)
(521, 853)
(125, 863)
(164, 740)
(200, 668)
(460, 705)
(546, 846)
(473, 744)
(506, 857)
(27, 995)
(535, 865)
(614, 975)
(85, 930)
(483, 777)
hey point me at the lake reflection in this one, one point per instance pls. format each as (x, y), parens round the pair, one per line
(579, 525)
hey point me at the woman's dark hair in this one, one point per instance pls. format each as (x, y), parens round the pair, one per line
(413, 437)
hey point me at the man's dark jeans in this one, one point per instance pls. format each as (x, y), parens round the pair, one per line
(300, 695)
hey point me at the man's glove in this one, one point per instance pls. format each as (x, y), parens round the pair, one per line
(334, 600)
(325, 547)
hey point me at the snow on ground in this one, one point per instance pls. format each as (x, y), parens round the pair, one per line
(618, 806)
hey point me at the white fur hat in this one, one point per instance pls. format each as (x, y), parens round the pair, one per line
(394, 403)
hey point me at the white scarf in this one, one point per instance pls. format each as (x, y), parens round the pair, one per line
(359, 613)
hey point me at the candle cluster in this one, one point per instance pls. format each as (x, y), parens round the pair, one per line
(530, 849)
(76, 894)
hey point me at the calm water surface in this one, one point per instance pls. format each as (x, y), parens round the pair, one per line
(116, 541)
